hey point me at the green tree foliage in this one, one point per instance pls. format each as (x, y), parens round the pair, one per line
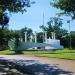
(22, 32)
(4, 19)
(67, 7)
(55, 25)
(40, 37)
(13, 34)
(65, 40)
(17, 41)
(73, 39)
(10, 6)
(14, 5)
(5, 38)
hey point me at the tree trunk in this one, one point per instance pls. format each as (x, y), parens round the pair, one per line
(1, 38)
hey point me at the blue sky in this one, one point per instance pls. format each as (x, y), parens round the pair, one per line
(33, 18)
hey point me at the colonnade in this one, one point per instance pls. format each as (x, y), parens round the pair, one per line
(35, 37)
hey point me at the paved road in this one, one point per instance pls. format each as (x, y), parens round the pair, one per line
(46, 66)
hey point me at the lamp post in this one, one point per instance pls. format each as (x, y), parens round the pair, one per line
(69, 34)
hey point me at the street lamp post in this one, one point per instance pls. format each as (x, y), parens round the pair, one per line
(69, 34)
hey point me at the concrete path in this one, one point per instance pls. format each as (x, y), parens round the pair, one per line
(44, 65)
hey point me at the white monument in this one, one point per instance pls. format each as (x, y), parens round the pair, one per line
(48, 44)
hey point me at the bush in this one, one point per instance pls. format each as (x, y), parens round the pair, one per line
(18, 52)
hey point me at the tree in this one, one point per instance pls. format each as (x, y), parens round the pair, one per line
(40, 37)
(17, 41)
(5, 38)
(65, 40)
(20, 34)
(67, 7)
(29, 32)
(55, 25)
(14, 5)
(10, 6)
(73, 39)
(3, 23)
(4, 19)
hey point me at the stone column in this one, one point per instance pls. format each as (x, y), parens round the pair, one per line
(45, 36)
(31, 38)
(21, 39)
(35, 37)
(25, 36)
(52, 35)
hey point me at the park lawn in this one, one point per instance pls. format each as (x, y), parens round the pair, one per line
(66, 50)
(30, 52)
(65, 54)
(48, 51)
(7, 52)
(60, 55)
(38, 51)
(11, 52)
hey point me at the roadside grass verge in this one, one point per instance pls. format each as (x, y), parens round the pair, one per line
(65, 54)
(38, 51)
(7, 52)
(66, 50)
(62, 56)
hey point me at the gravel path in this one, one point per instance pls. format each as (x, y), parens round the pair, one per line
(43, 65)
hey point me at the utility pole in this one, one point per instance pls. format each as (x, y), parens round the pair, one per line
(43, 31)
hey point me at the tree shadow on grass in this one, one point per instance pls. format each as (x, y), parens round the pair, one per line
(14, 52)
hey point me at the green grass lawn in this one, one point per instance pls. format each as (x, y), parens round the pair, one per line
(66, 50)
(47, 52)
(65, 54)
(7, 52)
